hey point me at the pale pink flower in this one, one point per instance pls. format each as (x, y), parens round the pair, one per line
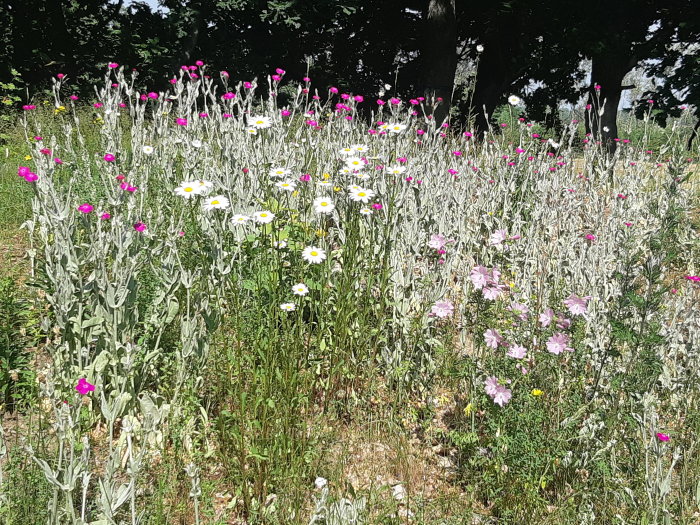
(577, 305)
(517, 352)
(491, 385)
(547, 317)
(497, 237)
(480, 276)
(492, 338)
(491, 293)
(502, 395)
(558, 343)
(442, 309)
(437, 241)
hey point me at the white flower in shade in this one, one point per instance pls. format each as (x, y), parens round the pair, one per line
(354, 163)
(323, 205)
(196, 143)
(313, 254)
(555, 145)
(300, 289)
(287, 185)
(325, 183)
(263, 217)
(259, 122)
(219, 202)
(396, 128)
(479, 48)
(360, 148)
(148, 150)
(188, 189)
(288, 307)
(345, 170)
(606, 129)
(346, 151)
(513, 100)
(240, 219)
(279, 172)
(395, 170)
(366, 211)
(251, 131)
(361, 195)
(362, 176)
(280, 244)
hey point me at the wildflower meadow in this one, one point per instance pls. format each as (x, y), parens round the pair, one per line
(334, 308)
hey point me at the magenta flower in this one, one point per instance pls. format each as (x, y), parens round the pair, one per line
(109, 157)
(662, 437)
(442, 309)
(112, 65)
(83, 387)
(590, 237)
(22, 171)
(558, 343)
(492, 338)
(31, 177)
(85, 208)
(139, 227)
(105, 216)
(181, 122)
(577, 305)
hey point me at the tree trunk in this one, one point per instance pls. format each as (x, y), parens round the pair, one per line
(605, 91)
(439, 56)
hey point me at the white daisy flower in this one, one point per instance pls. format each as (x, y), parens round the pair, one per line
(396, 128)
(513, 100)
(300, 289)
(360, 148)
(196, 143)
(354, 187)
(280, 244)
(263, 217)
(148, 150)
(313, 254)
(251, 131)
(346, 151)
(259, 122)
(188, 189)
(279, 172)
(366, 211)
(345, 171)
(354, 163)
(205, 186)
(240, 219)
(218, 202)
(323, 205)
(395, 170)
(362, 176)
(286, 185)
(362, 195)
(288, 307)
(325, 183)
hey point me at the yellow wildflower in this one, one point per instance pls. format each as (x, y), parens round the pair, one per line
(536, 392)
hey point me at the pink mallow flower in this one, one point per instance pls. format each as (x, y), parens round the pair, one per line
(577, 305)
(517, 352)
(442, 309)
(558, 343)
(492, 338)
(83, 387)
(497, 392)
(547, 317)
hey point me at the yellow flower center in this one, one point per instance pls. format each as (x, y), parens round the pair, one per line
(188, 189)
(215, 202)
(314, 254)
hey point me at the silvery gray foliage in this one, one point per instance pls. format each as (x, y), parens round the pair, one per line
(93, 270)
(338, 512)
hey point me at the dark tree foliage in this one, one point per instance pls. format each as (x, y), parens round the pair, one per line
(359, 45)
